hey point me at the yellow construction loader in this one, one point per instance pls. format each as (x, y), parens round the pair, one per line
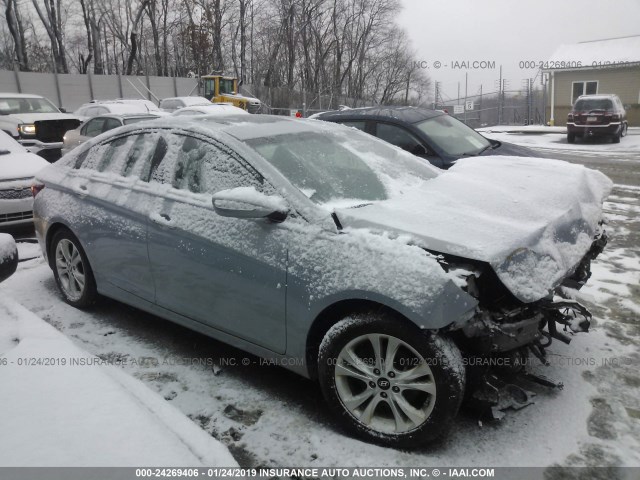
(221, 89)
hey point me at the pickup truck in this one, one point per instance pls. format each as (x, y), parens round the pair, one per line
(36, 123)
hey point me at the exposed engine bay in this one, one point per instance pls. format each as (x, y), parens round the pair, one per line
(505, 333)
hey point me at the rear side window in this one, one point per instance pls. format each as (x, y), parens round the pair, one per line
(103, 156)
(110, 124)
(130, 156)
(397, 136)
(93, 127)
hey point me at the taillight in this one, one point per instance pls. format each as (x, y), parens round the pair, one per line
(570, 117)
(36, 189)
(615, 116)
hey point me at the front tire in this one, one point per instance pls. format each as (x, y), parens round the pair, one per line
(389, 382)
(72, 271)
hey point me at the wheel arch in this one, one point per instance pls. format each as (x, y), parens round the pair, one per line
(51, 232)
(331, 315)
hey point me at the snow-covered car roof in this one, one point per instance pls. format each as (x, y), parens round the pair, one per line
(19, 95)
(189, 101)
(215, 109)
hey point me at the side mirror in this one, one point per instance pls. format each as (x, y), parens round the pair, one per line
(62, 110)
(247, 202)
(8, 256)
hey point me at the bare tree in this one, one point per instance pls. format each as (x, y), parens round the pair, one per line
(14, 23)
(51, 19)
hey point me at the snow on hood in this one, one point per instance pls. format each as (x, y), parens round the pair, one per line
(20, 165)
(531, 219)
(35, 117)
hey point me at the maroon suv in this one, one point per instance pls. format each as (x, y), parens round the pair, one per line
(597, 115)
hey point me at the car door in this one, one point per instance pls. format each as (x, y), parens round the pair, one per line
(403, 138)
(114, 203)
(227, 273)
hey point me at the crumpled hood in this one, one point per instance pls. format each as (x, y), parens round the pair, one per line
(531, 219)
(29, 118)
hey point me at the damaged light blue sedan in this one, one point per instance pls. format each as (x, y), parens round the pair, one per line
(365, 267)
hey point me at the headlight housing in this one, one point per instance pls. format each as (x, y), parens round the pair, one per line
(28, 130)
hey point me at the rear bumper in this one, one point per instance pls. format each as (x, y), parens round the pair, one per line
(612, 128)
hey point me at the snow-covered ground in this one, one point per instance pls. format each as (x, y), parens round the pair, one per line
(558, 140)
(61, 407)
(270, 417)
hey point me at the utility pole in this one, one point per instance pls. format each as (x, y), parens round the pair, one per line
(435, 102)
(480, 108)
(466, 81)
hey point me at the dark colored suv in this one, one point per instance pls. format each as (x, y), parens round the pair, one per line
(597, 115)
(431, 134)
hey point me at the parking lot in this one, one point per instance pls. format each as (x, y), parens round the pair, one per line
(270, 417)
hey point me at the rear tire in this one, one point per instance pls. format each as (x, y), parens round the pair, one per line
(389, 382)
(571, 137)
(616, 138)
(623, 133)
(72, 271)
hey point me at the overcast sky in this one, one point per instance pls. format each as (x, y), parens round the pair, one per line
(506, 31)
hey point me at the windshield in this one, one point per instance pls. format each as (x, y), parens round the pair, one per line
(590, 104)
(342, 167)
(452, 136)
(10, 106)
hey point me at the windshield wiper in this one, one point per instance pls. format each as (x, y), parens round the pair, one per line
(475, 154)
(485, 149)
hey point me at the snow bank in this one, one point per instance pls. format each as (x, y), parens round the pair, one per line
(59, 414)
(7, 246)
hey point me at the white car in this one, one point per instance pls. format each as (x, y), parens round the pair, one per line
(220, 109)
(100, 124)
(18, 166)
(174, 103)
(94, 109)
(35, 122)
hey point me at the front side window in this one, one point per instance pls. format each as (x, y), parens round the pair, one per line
(200, 166)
